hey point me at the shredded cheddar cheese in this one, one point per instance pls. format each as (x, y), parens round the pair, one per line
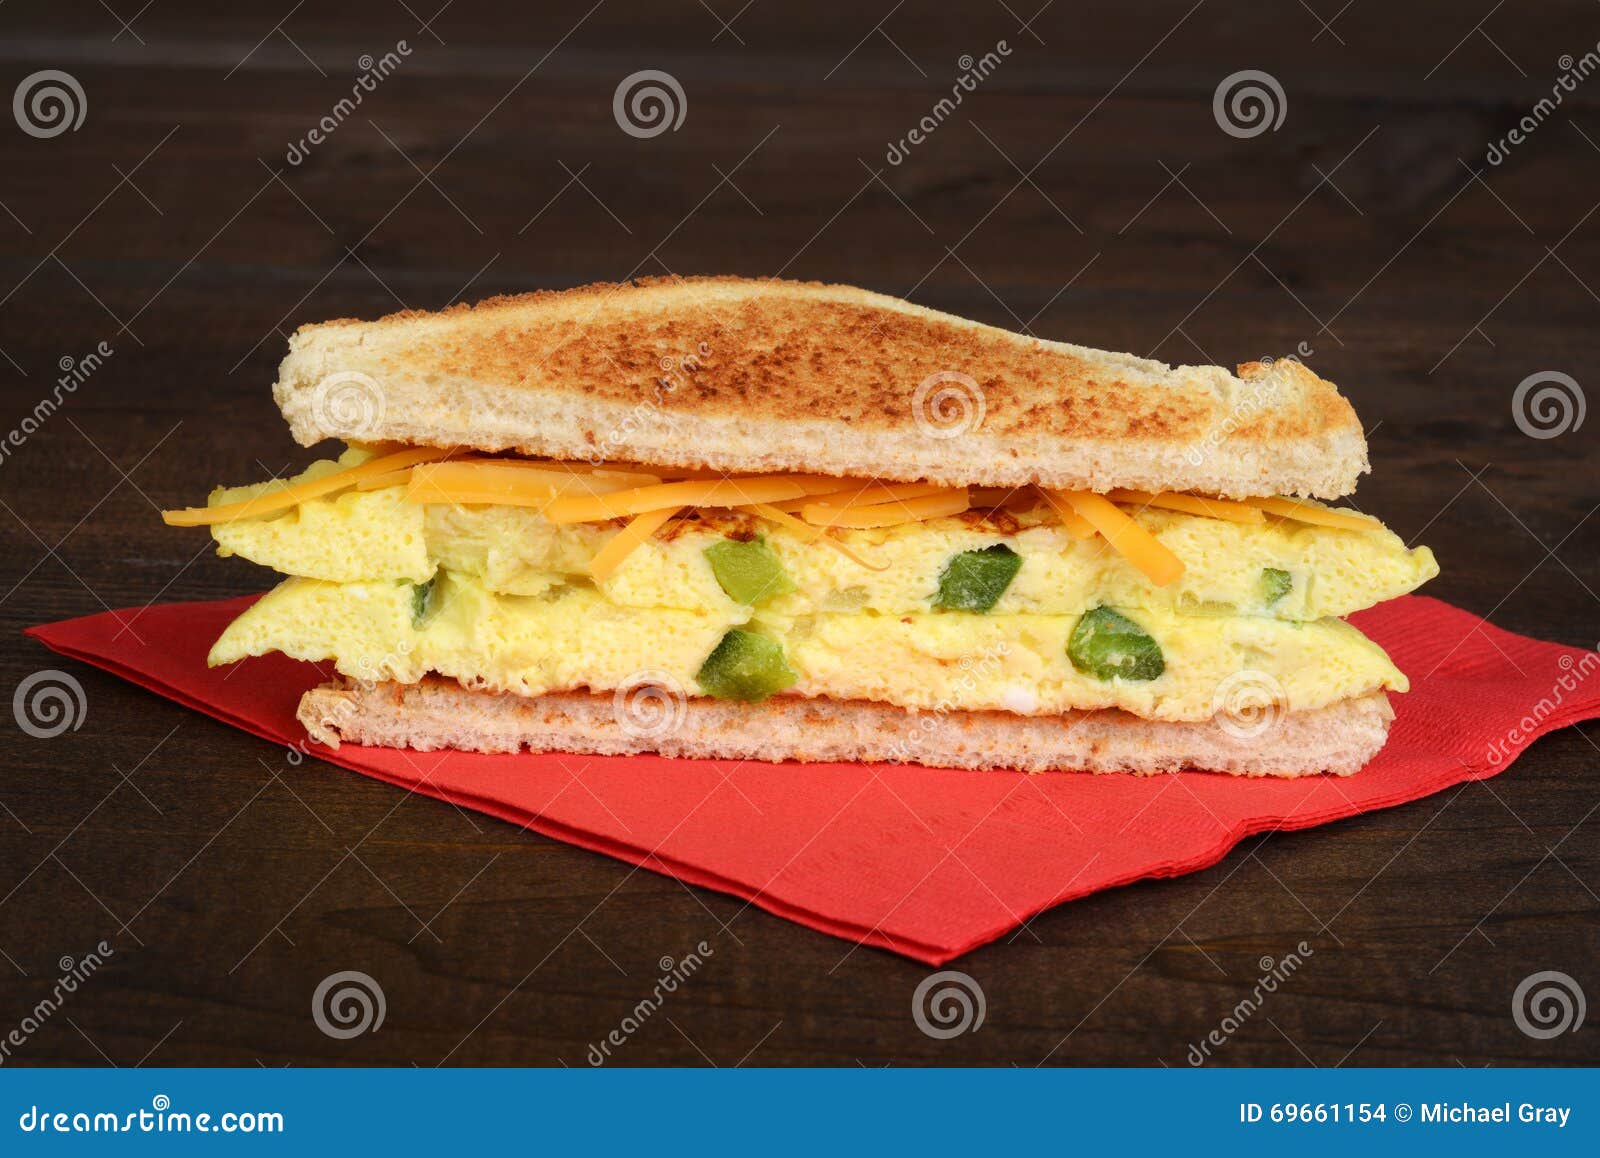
(628, 540)
(1075, 524)
(812, 534)
(620, 477)
(378, 482)
(632, 478)
(1135, 544)
(858, 493)
(728, 492)
(806, 505)
(1316, 515)
(283, 498)
(1190, 505)
(889, 514)
(862, 492)
(507, 484)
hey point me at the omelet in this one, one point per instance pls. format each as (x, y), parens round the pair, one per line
(574, 637)
(1002, 609)
(1279, 569)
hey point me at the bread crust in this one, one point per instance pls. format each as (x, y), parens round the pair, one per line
(743, 375)
(439, 713)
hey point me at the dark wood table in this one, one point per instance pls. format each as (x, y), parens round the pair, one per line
(1083, 189)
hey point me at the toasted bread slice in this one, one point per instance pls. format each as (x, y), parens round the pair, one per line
(752, 376)
(439, 713)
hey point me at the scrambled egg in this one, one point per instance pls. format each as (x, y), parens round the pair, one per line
(500, 598)
(376, 535)
(574, 637)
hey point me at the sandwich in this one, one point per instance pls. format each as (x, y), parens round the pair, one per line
(767, 520)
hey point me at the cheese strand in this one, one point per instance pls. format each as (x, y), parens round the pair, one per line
(729, 492)
(1127, 538)
(1317, 516)
(294, 494)
(890, 514)
(1224, 509)
(811, 534)
(628, 540)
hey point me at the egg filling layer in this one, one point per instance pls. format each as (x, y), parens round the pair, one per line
(1278, 568)
(530, 578)
(574, 637)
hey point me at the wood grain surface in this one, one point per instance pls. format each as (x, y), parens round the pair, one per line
(1085, 190)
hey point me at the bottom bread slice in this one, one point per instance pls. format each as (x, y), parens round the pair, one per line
(438, 713)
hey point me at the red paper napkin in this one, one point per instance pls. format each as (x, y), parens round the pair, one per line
(929, 863)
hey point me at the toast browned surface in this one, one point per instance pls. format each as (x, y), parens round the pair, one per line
(746, 375)
(439, 713)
